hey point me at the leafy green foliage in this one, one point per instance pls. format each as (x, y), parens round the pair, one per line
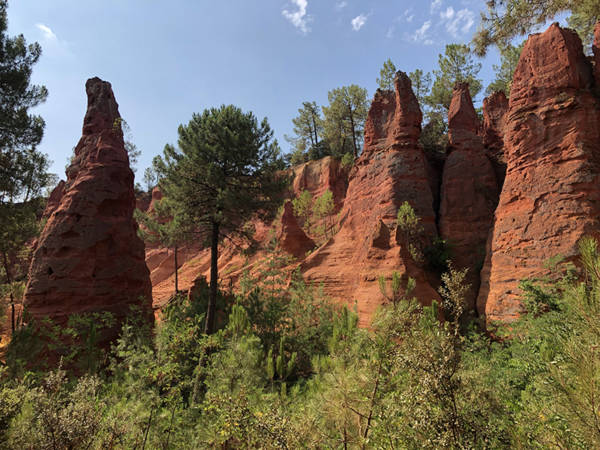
(411, 229)
(303, 208)
(308, 128)
(347, 160)
(345, 119)
(387, 74)
(504, 72)
(224, 172)
(323, 211)
(23, 169)
(455, 65)
(507, 19)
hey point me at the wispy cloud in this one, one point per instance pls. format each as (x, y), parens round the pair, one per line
(299, 18)
(421, 35)
(340, 4)
(458, 22)
(435, 5)
(359, 21)
(408, 15)
(46, 32)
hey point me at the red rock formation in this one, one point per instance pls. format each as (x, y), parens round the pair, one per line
(314, 176)
(551, 195)
(495, 108)
(89, 258)
(469, 192)
(391, 170)
(291, 237)
(54, 199)
(321, 175)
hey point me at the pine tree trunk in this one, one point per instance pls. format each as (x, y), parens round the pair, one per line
(214, 277)
(176, 270)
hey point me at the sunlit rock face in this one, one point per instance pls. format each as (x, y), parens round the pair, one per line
(551, 195)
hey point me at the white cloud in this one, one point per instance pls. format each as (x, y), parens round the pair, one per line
(421, 34)
(435, 5)
(448, 14)
(299, 18)
(458, 22)
(408, 15)
(359, 21)
(339, 5)
(46, 31)
(390, 33)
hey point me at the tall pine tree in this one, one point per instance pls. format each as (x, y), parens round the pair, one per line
(223, 172)
(23, 169)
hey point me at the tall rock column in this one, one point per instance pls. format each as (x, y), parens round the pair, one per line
(89, 257)
(391, 170)
(551, 195)
(469, 192)
(495, 108)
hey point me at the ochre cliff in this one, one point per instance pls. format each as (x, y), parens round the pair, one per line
(469, 192)
(551, 194)
(391, 170)
(516, 189)
(89, 257)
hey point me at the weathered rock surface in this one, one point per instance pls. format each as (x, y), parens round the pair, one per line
(469, 192)
(314, 176)
(54, 199)
(89, 258)
(551, 195)
(319, 176)
(391, 170)
(495, 108)
(291, 238)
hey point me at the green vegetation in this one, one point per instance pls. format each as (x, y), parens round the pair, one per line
(387, 74)
(23, 169)
(507, 19)
(287, 369)
(455, 65)
(345, 119)
(504, 72)
(338, 132)
(223, 173)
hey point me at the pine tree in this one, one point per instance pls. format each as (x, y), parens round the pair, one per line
(23, 169)
(308, 126)
(455, 65)
(345, 119)
(223, 173)
(507, 19)
(504, 72)
(387, 74)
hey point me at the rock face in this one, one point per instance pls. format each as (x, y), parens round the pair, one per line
(291, 237)
(551, 195)
(495, 108)
(89, 258)
(54, 199)
(469, 192)
(391, 170)
(319, 176)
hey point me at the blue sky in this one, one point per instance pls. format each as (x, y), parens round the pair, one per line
(167, 60)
